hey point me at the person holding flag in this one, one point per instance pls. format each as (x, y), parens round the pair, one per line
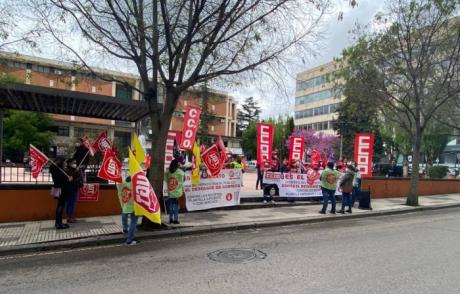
(174, 178)
(61, 181)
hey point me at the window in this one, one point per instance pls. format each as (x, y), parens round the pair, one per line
(316, 81)
(63, 131)
(124, 92)
(314, 97)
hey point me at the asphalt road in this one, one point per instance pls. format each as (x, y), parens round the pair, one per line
(411, 253)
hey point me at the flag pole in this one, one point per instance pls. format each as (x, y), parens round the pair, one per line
(83, 159)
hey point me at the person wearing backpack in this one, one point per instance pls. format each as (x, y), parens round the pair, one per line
(329, 178)
(347, 188)
(174, 178)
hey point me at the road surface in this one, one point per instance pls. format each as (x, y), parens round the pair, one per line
(410, 253)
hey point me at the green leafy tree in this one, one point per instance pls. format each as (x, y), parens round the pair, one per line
(249, 112)
(249, 140)
(22, 128)
(414, 54)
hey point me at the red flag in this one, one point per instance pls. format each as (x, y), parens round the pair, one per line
(265, 134)
(148, 159)
(211, 159)
(296, 148)
(315, 158)
(102, 143)
(364, 147)
(223, 150)
(37, 160)
(88, 145)
(110, 167)
(324, 160)
(190, 127)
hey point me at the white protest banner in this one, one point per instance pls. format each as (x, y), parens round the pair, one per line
(296, 185)
(219, 191)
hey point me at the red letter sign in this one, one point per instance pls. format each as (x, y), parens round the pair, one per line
(102, 143)
(264, 143)
(364, 147)
(296, 148)
(211, 159)
(190, 127)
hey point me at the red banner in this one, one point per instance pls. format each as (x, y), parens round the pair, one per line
(110, 167)
(296, 148)
(211, 159)
(265, 134)
(172, 135)
(89, 192)
(102, 143)
(364, 148)
(88, 145)
(37, 161)
(190, 127)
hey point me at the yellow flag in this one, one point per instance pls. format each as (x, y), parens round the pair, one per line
(145, 201)
(196, 164)
(137, 148)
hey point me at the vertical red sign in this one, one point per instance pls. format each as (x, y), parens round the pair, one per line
(190, 127)
(364, 147)
(172, 135)
(265, 134)
(296, 148)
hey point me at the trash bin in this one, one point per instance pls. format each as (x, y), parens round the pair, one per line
(365, 200)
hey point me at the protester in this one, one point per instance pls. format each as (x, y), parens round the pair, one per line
(125, 197)
(174, 177)
(356, 186)
(329, 178)
(237, 163)
(268, 198)
(285, 167)
(260, 176)
(275, 163)
(75, 185)
(346, 184)
(61, 183)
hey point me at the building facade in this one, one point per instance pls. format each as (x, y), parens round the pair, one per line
(53, 74)
(315, 99)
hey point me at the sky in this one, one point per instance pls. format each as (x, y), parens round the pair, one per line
(276, 101)
(336, 37)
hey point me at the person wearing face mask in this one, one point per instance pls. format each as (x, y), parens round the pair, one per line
(80, 154)
(75, 185)
(61, 181)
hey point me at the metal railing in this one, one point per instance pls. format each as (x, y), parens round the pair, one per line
(23, 175)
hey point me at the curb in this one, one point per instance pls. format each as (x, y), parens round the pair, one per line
(206, 229)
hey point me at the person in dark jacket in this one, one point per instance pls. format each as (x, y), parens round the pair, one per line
(260, 176)
(60, 181)
(347, 188)
(75, 185)
(80, 154)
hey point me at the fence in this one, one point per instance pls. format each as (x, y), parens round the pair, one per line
(23, 175)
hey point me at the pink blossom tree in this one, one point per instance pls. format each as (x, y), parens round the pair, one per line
(316, 141)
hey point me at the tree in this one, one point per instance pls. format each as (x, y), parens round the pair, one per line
(249, 140)
(434, 141)
(316, 141)
(182, 43)
(415, 59)
(22, 128)
(248, 113)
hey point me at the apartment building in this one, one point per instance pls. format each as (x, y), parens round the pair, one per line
(315, 100)
(54, 74)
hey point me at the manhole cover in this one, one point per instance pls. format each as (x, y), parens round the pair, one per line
(237, 255)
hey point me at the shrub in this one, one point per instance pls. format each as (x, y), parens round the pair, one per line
(438, 172)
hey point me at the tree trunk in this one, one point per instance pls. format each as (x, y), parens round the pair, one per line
(412, 196)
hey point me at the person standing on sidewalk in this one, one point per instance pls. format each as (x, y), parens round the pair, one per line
(356, 186)
(125, 196)
(346, 184)
(260, 176)
(174, 178)
(61, 181)
(75, 185)
(329, 178)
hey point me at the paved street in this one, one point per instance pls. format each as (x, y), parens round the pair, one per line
(409, 253)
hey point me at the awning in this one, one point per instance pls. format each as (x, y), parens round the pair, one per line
(58, 101)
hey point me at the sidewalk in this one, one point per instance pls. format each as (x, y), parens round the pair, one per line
(97, 230)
